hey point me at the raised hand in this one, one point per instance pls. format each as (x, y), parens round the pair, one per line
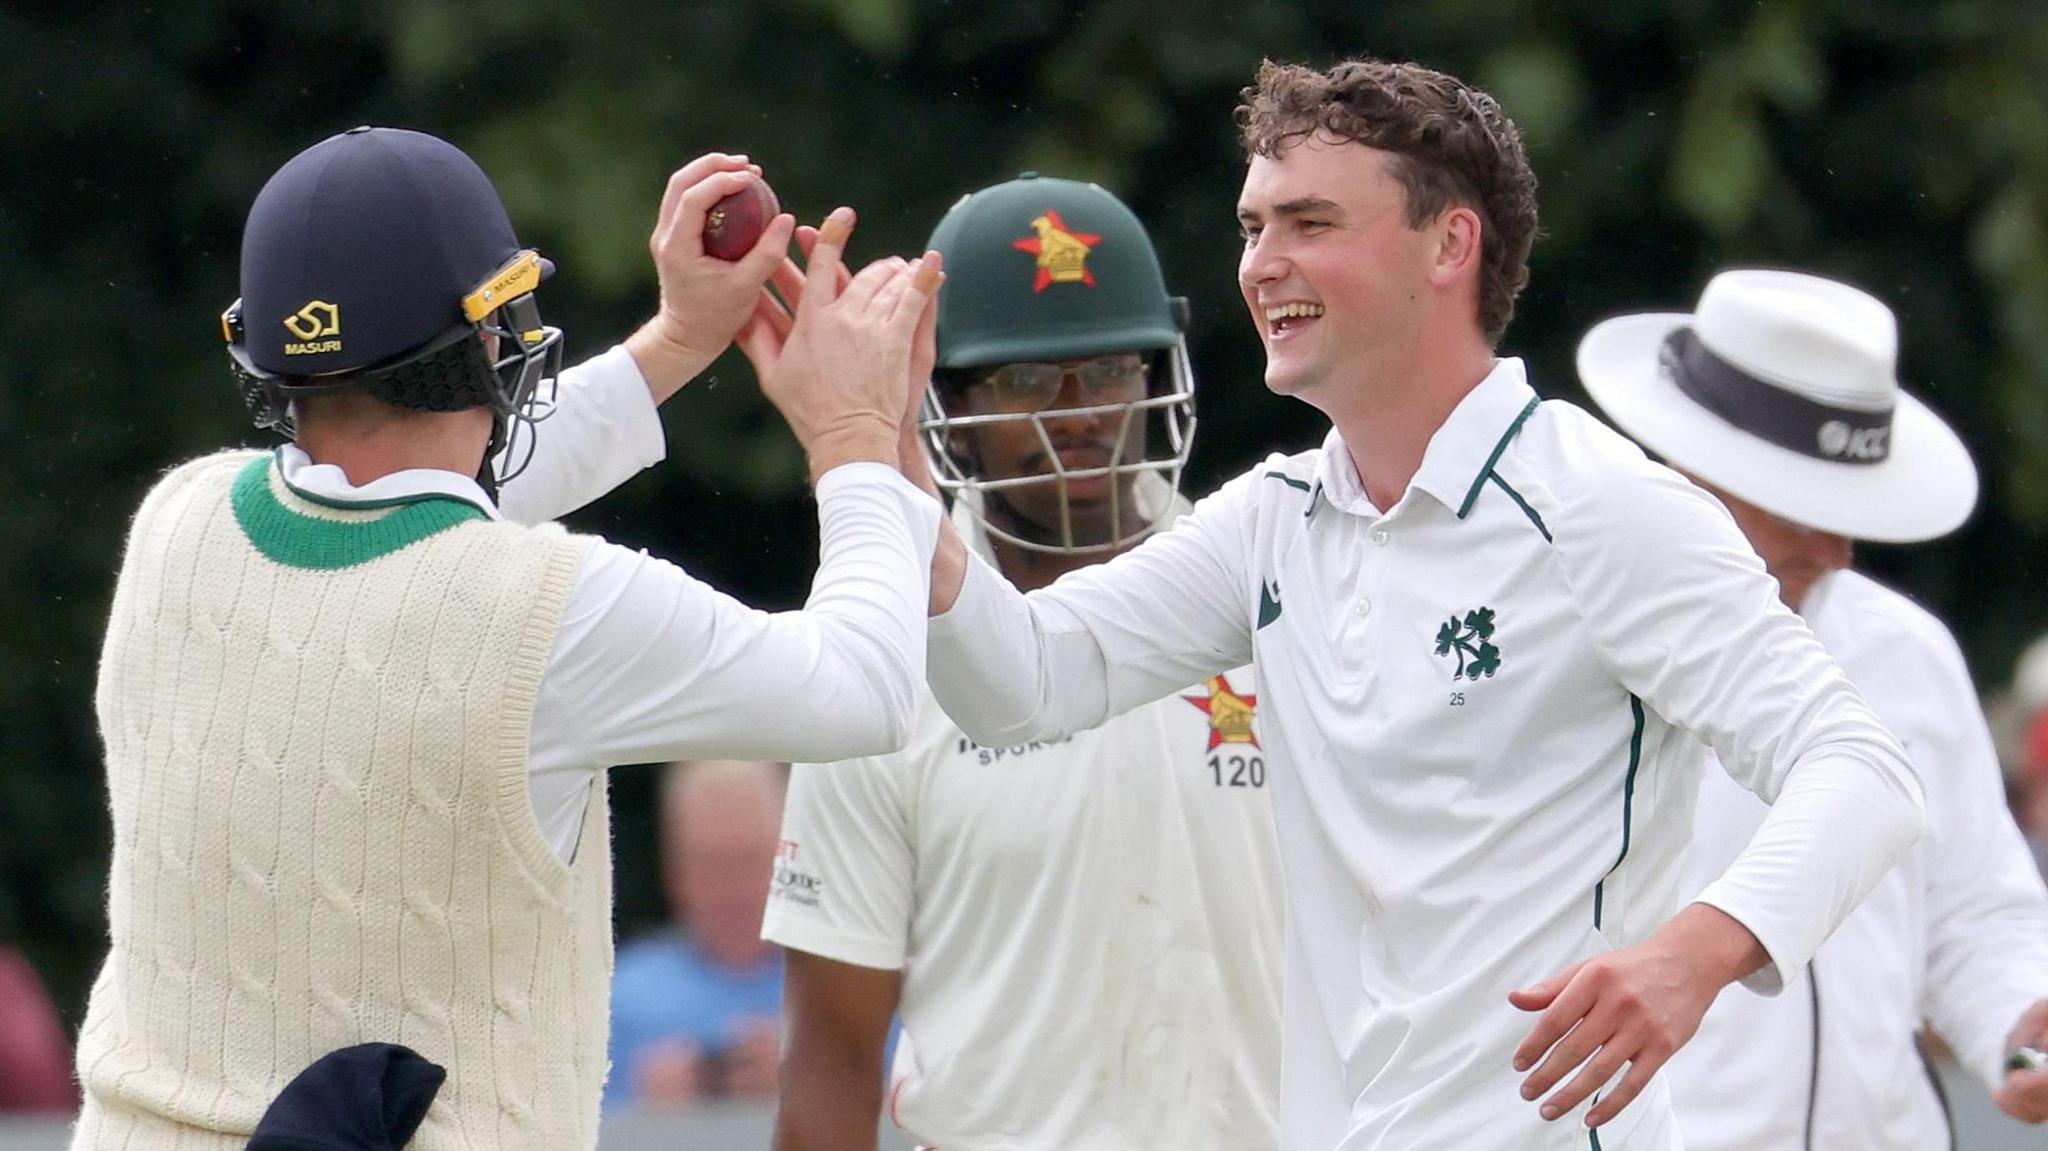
(838, 372)
(765, 332)
(705, 301)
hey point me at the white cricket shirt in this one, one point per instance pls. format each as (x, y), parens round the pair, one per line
(652, 665)
(1957, 932)
(1088, 926)
(1475, 708)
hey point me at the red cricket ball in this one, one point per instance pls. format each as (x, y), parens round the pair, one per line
(734, 224)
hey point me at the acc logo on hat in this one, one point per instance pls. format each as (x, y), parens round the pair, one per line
(1062, 253)
(316, 319)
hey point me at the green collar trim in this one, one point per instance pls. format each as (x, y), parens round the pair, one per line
(295, 539)
(1479, 481)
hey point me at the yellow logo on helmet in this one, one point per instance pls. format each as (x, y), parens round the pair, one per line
(316, 320)
(1062, 253)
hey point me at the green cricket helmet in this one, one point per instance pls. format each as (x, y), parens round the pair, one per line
(1040, 273)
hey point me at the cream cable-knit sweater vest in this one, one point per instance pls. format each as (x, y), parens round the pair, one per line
(316, 725)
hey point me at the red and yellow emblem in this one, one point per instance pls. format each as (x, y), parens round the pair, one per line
(1062, 253)
(1230, 714)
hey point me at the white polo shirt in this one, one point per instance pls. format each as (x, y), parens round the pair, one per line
(1956, 933)
(1475, 709)
(1088, 926)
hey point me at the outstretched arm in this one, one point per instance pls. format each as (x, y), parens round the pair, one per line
(1685, 618)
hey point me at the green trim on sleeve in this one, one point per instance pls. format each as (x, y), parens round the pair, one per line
(1479, 481)
(1628, 804)
(295, 539)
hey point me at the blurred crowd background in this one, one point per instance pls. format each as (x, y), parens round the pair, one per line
(1901, 145)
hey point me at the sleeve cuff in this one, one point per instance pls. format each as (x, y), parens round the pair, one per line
(825, 941)
(969, 605)
(923, 511)
(1770, 979)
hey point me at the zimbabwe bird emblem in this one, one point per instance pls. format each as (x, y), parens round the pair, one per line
(1062, 253)
(1230, 714)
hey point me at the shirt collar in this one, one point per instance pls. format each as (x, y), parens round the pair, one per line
(328, 484)
(1460, 454)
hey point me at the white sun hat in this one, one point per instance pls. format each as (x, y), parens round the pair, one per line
(1781, 389)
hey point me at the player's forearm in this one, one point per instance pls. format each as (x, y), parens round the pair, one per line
(994, 668)
(1838, 825)
(876, 539)
(830, 1102)
(1721, 949)
(666, 361)
(604, 431)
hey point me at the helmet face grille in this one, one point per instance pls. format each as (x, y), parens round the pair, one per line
(1045, 271)
(1128, 488)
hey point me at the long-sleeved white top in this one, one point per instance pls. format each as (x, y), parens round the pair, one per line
(1478, 707)
(651, 664)
(1957, 932)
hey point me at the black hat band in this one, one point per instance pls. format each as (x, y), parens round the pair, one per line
(1789, 420)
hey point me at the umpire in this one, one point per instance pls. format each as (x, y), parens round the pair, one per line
(357, 714)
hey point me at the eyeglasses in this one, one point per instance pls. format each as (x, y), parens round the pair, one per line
(1033, 387)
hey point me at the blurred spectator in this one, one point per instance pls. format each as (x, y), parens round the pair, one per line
(2029, 760)
(2030, 790)
(35, 1056)
(695, 1007)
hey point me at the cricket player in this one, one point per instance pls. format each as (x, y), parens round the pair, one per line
(357, 717)
(1081, 934)
(1488, 631)
(1779, 393)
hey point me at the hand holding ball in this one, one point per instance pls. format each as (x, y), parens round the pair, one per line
(734, 224)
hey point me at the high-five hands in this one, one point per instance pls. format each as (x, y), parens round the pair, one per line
(836, 359)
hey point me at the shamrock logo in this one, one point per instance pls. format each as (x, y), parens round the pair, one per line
(1469, 638)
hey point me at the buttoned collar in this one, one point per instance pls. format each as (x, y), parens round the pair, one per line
(1460, 454)
(328, 484)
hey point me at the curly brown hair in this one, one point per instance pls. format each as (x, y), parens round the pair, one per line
(1452, 142)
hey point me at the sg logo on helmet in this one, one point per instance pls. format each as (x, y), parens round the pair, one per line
(317, 319)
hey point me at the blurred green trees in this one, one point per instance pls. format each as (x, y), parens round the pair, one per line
(1900, 144)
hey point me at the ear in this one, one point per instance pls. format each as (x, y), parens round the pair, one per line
(1458, 243)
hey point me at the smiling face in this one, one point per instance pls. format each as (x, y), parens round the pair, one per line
(1340, 287)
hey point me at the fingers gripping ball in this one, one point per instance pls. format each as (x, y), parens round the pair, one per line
(734, 224)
